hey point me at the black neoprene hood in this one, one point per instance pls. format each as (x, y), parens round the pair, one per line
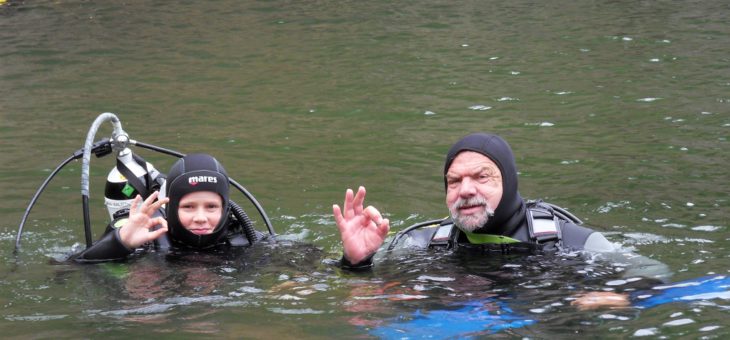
(192, 173)
(510, 210)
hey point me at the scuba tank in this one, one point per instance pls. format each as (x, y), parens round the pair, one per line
(131, 176)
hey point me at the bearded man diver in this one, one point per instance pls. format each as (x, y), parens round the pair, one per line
(486, 211)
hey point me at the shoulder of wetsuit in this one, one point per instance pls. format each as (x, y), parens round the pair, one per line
(579, 237)
(549, 223)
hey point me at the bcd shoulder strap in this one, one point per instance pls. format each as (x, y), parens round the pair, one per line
(542, 223)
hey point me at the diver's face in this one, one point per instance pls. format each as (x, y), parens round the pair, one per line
(473, 189)
(200, 211)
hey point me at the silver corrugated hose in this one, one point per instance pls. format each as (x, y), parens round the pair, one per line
(119, 141)
(90, 141)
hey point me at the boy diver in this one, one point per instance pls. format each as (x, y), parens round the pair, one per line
(199, 215)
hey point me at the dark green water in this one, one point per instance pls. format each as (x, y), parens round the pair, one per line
(618, 110)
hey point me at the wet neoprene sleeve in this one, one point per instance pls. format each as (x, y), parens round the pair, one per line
(362, 265)
(108, 248)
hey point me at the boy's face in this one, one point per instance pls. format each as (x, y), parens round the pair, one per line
(200, 211)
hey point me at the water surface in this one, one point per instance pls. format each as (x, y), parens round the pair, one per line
(617, 110)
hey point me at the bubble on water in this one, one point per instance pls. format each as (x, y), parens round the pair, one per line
(479, 107)
(295, 311)
(646, 332)
(709, 328)
(585, 50)
(571, 161)
(654, 60)
(696, 240)
(674, 225)
(648, 99)
(690, 204)
(514, 73)
(613, 317)
(627, 38)
(538, 310)
(706, 228)
(645, 238)
(680, 322)
(666, 41)
(616, 283)
(287, 297)
(676, 315)
(493, 58)
(157, 308)
(248, 289)
(507, 99)
(35, 317)
(435, 278)
(546, 124)
(560, 93)
(429, 113)
(464, 45)
(705, 113)
(611, 205)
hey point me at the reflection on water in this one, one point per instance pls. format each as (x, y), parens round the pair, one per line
(616, 110)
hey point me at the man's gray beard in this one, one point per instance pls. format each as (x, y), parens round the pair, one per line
(470, 223)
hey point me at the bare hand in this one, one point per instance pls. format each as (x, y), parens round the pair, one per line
(362, 230)
(594, 300)
(137, 230)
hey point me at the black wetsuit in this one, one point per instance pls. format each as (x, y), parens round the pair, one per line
(191, 173)
(568, 236)
(510, 216)
(110, 247)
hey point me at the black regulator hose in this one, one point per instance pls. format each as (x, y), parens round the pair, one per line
(101, 148)
(248, 228)
(158, 149)
(400, 234)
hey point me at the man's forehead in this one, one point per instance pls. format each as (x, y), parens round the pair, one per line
(467, 160)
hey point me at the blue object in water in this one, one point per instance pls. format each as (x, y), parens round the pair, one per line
(472, 319)
(703, 288)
